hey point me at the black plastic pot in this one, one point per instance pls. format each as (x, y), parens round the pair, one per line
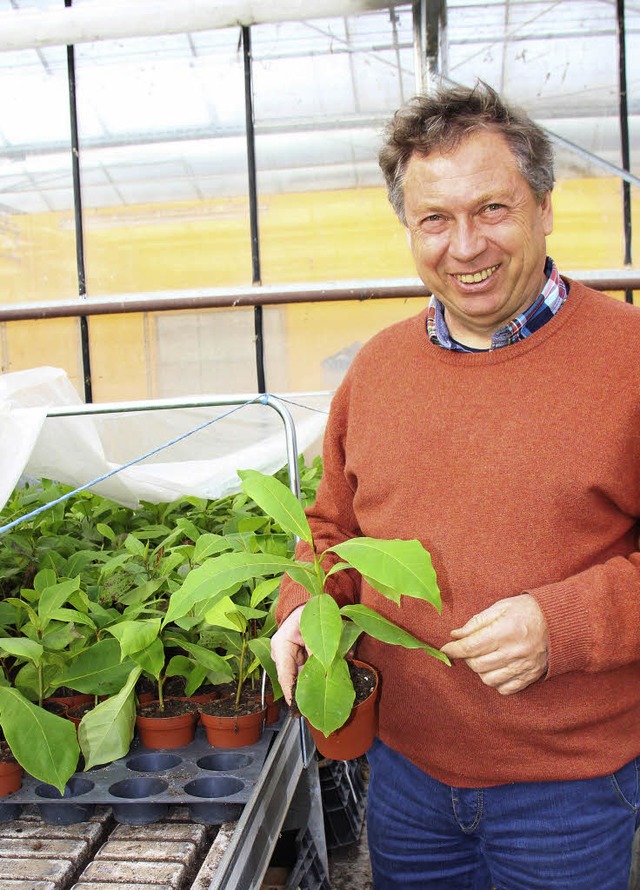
(65, 812)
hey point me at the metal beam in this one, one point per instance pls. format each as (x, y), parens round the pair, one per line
(115, 19)
(230, 298)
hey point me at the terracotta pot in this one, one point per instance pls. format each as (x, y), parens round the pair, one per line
(273, 708)
(72, 701)
(10, 777)
(355, 737)
(167, 732)
(233, 732)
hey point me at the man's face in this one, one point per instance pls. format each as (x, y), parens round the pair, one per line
(477, 234)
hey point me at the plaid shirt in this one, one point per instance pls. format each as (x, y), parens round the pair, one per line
(553, 295)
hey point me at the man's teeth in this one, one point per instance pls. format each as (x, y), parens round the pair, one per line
(476, 276)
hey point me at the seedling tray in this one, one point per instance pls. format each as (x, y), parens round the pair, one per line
(214, 783)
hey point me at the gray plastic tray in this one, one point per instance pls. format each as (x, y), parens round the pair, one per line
(214, 783)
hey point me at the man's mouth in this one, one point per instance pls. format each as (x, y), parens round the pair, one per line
(475, 277)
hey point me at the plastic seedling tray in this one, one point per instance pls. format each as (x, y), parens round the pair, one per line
(214, 783)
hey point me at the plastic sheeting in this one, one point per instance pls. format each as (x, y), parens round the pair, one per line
(80, 449)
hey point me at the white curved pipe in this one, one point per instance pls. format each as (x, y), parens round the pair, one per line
(86, 23)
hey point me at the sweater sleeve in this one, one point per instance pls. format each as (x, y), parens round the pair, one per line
(331, 517)
(593, 617)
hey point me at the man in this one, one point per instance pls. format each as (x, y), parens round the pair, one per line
(500, 427)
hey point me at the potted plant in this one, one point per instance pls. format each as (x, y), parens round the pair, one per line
(237, 625)
(324, 693)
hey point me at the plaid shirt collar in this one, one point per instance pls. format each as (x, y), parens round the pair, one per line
(553, 295)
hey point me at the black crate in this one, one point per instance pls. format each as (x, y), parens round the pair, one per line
(343, 800)
(309, 872)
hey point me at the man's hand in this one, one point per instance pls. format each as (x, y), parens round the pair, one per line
(507, 644)
(288, 651)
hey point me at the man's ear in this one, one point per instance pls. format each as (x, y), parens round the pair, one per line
(546, 210)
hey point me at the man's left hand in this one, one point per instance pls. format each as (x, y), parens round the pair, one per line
(507, 644)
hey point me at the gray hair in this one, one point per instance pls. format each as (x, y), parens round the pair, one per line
(443, 119)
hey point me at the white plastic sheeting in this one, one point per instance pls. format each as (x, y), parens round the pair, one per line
(79, 449)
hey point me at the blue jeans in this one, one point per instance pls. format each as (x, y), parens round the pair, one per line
(574, 835)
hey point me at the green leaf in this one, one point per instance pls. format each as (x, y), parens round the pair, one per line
(209, 545)
(388, 632)
(151, 659)
(263, 590)
(43, 744)
(52, 598)
(72, 616)
(107, 532)
(321, 627)
(134, 636)
(394, 568)
(261, 648)
(209, 660)
(98, 670)
(217, 575)
(304, 574)
(325, 697)
(179, 666)
(44, 578)
(22, 647)
(224, 614)
(350, 633)
(105, 733)
(277, 501)
(134, 546)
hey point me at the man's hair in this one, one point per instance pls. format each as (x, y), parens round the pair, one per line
(443, 119)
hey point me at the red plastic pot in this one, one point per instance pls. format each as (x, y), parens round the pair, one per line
(10, 777)
(236, 731)
(355, 737)
(167, 732)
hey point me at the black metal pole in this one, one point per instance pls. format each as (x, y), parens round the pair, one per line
(624, 137)
(77, 204)
(256, 276)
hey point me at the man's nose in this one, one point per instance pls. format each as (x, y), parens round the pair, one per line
(467, 240)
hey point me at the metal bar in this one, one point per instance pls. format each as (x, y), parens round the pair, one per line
(115, 19)
(220, 298)
(250, 136)
(624, 137)
(247, 856)
(77, 208)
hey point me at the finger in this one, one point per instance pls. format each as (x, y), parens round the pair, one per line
(479, 621)
(481, 643)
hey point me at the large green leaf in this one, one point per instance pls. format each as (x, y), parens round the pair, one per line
(151, 659)
(321, 627)
(209, 545)
(22, 647)
(209, 660)
(134, 636)
(43, 744)
(277, 501)
(388, 632)
(214, 578)
(99, 670)
(52, 598)
(325, 697)
(395, 568)
(105, 733)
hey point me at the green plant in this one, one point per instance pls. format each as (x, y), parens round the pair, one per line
(395, 568)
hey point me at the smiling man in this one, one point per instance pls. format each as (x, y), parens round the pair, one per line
(500, 427)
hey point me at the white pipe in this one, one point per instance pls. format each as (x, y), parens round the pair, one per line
(114, 19)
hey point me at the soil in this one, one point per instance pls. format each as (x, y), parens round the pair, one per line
(54, 707)
(225, 706)
(173, 707)
(80, 710)
(5, 753)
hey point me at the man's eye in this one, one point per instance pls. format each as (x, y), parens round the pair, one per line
(494, 207)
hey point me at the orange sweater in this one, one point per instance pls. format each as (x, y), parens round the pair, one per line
(519, 470)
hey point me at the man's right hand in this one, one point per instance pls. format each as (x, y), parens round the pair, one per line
(288, 652)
